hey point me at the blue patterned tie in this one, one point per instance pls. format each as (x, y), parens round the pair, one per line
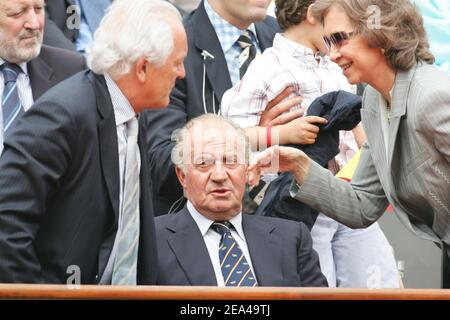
(11, 105)
(125, 265)
(235, 269)
(248, 51)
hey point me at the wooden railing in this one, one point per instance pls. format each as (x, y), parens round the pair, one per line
(24, 291)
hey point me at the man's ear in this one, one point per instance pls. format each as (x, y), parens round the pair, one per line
(181, 176)
(141, 68)
(309, 16)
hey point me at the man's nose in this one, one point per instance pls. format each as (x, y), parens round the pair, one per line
(33, 20)
(219, 173)
(182, 72)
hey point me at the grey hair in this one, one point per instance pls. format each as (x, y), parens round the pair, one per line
(131, 30)
(181, 137)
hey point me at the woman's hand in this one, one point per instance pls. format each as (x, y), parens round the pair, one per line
(278, 159)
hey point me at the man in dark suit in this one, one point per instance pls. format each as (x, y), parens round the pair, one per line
(211, 69)
(74, 192)
(210, 242)
(38, 67)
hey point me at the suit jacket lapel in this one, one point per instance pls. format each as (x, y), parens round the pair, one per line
(372, 125)
(108, 142)
(189, 247)
(206, 39)
(398, 107)
(40, 76)
(265, 251)
(147, 245)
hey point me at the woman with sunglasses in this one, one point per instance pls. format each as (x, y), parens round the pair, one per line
(406, 116)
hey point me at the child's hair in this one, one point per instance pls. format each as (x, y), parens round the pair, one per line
(291, 12)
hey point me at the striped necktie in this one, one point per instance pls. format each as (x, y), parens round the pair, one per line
(235, 269)
(125, 265)
(11, 106)
(248, 51)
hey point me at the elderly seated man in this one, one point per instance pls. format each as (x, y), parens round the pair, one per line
(210, 242)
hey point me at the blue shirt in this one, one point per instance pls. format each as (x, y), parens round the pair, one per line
(85, 35)
(228, 35)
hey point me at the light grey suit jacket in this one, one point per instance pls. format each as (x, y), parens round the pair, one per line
(414, 176)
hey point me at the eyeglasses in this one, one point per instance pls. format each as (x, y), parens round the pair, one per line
(337, 39)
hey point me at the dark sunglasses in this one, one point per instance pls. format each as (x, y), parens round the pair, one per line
(337, 39)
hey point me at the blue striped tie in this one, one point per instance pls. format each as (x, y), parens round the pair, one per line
(11, 106)
(235, 269)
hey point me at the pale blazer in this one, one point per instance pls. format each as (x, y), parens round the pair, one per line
(414, 175)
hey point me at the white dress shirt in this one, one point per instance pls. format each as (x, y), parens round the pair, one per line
(24, 90)
(228, 35)
(287, 63)
(123, 112)
(212, 239)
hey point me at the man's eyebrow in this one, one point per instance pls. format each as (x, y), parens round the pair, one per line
(14, 8)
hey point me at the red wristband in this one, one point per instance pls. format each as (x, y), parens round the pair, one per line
(269, 136)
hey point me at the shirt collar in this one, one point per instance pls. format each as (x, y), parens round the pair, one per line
(226, 32)
(204, 223)
(297, 50)
(123, 111)
(23, 66)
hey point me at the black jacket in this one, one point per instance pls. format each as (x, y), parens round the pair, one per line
(59, 189)
(281, 252)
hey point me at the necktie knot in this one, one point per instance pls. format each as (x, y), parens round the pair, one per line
(10, 72)
(222, 227)
(132, 128)
(245, 39)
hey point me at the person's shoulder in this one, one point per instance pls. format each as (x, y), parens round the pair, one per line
(52, 54)
(71, 94)
(430, 77)
(269, 23)
(193, 18)
(188, 19)
(429, 94)
(163, 221)
(283, 226)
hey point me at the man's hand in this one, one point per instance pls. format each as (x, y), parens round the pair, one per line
(279, 159)
(274, 113)
(302, 130)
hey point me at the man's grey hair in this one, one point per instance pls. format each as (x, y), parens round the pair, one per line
(183, 141)
(131, 30)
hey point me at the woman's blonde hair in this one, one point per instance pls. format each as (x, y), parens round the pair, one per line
(394, 26)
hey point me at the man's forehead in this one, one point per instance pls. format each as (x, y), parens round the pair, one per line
(213, 139)
(210, 132)
(9, 4)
